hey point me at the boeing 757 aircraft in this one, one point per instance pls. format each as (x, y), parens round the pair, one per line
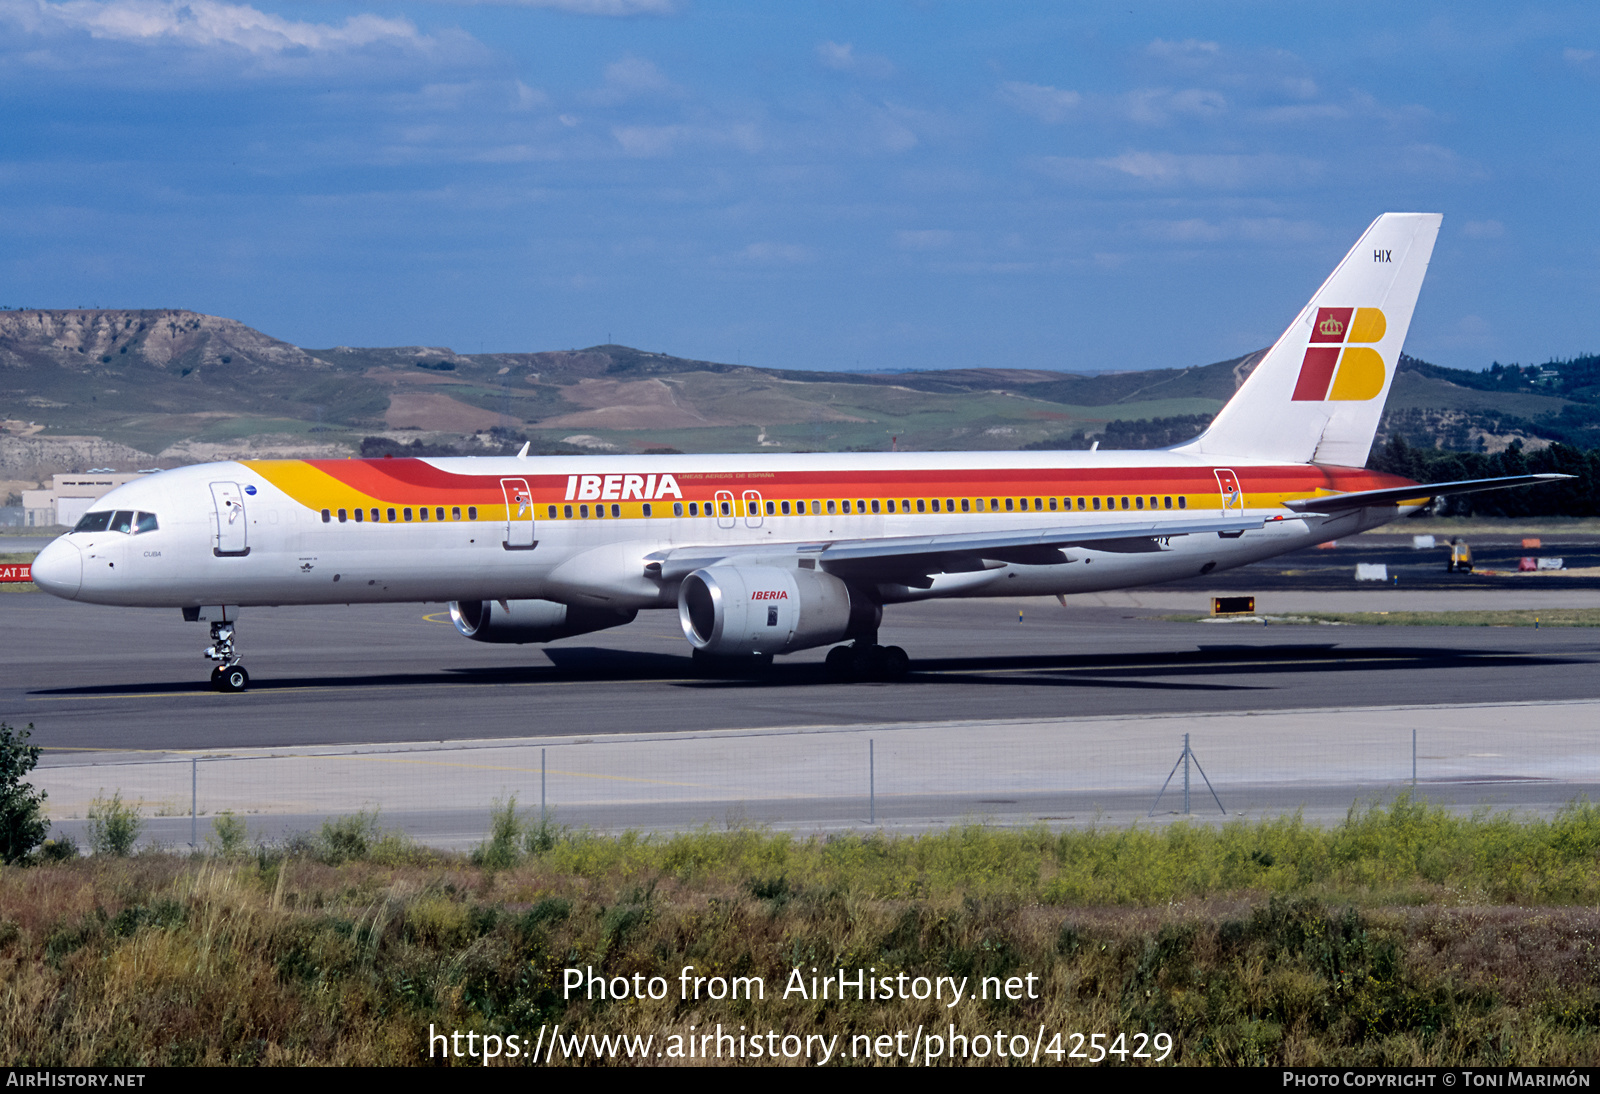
(769, 554)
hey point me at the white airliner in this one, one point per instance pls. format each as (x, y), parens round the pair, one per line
(768, 554)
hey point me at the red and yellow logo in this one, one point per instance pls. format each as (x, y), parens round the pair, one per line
(1349, 374)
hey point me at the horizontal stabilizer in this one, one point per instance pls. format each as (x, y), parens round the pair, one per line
(1395, 495)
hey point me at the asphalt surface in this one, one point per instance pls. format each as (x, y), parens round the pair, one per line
(106, 689)
(103, 678)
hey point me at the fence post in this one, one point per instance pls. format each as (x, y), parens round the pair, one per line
(194, 784)
(1186, 775)
(872, 784)
(544, 816)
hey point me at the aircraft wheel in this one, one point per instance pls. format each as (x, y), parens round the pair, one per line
(233, 679)
(841, 660)
(895, 663)
(871, 663)
(216, 678)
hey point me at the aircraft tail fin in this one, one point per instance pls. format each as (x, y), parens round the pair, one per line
(1317, 395)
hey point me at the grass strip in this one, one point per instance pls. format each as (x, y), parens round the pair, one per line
(1540, 617)
(1407, 935)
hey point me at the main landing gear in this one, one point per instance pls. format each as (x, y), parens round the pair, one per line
(867, 661)
(229, 675)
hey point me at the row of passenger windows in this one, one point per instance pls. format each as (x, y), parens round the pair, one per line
(923, 505)
(393, 515)
(773, 508)
(120, 520)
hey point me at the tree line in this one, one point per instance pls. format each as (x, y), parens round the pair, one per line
(1575, 497)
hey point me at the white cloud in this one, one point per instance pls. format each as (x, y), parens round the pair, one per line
(588, 7)
(1158, 106)
(528, 97)
(1050, 105)
(1483, 229)
(926, 239)
(1189, 47)
(778, 254)
(1302, 114)
(648, 141)
(1577, 56)
(633, 77)
(1228, 172)
(1168, 170)
(1247, 229)
(653, 141)
(1435, 161)
(1358, 104)
(636, 74)
(842, 57)
(210, 24)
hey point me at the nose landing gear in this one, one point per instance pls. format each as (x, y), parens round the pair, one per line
(229, 675)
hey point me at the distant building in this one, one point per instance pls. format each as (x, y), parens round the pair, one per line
(70, 496)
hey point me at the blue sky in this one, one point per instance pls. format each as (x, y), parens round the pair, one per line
(801, 185)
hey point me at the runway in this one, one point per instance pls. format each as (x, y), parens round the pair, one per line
(103, 678)
(1103, 687)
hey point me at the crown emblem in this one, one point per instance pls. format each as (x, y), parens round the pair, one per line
(1331, 327)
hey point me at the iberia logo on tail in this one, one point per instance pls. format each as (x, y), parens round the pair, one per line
(1335, 369)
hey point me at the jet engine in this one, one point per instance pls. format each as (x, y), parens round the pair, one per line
(531, 620)
(740, 611)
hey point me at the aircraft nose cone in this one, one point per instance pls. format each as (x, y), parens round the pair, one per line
(59, 569)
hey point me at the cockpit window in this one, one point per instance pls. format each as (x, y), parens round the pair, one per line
(121, 520)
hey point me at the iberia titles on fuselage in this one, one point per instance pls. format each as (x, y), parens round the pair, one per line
(767, 554)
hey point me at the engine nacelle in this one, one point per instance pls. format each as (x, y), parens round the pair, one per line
(531, 620)
(740, 611)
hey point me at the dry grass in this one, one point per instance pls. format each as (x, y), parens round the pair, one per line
(1404, 936)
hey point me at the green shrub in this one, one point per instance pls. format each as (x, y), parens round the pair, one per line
(345, 838)
(113, 825)
(22, 823)
(60, 849)
(229, 836)
(543, 837)
(501, 850)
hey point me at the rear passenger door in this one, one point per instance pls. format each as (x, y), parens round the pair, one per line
(519, 515)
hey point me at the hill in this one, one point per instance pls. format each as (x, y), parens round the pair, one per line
(167, 386)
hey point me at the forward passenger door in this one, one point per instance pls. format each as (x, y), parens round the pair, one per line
(232, 538)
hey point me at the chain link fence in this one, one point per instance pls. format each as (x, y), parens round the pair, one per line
(901, 777)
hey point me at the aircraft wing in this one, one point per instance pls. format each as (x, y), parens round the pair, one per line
(958, 552)
(1329, 503)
